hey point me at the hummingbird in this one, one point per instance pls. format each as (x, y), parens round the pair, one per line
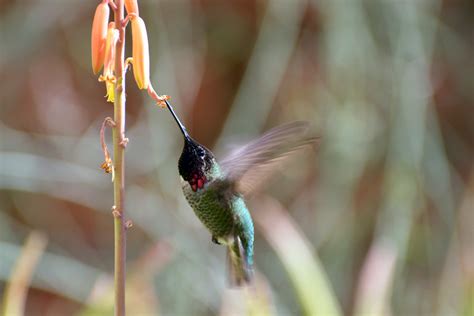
(216, 190)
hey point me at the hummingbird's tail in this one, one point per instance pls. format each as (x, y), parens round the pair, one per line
(240, 270)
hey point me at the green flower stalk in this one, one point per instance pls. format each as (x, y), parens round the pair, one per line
(108, 51)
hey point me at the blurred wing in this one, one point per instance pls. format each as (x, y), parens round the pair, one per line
(251, 165)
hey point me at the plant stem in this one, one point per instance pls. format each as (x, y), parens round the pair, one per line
(119, 164)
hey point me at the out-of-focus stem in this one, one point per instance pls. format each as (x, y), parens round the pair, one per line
(17, 288)
(119, 164)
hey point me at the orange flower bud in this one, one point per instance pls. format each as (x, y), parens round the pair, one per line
(140, 53)
(98, 36)
(131, 6)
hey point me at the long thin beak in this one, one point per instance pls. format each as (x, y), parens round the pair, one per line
(181, 126)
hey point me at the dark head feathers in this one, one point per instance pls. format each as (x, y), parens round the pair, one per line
(195, 159)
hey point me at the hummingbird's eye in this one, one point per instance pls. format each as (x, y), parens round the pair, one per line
(201, 153)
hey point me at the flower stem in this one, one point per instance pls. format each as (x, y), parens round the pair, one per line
(119, 164)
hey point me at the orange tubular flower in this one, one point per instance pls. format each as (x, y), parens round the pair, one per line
(98, 36)
(140, 53)
(131, 6)
(109, 55)
(109, 62)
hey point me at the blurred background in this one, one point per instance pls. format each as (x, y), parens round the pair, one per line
(378, 221)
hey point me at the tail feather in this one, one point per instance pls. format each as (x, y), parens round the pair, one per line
(239, 270)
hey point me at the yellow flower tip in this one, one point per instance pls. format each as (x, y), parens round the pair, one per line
(131, 6)
(99, 35)
(110, 87)
(140, 53)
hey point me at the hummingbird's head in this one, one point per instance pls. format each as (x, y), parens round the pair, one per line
(195, 163)
(196, 160)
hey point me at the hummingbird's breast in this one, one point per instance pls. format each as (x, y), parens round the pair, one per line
(223, 212)
(212, 209)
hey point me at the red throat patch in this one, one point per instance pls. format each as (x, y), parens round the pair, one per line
(197, 182)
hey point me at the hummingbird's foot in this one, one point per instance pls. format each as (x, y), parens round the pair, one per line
(214, 240)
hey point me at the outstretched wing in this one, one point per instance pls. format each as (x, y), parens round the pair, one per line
(249, 166)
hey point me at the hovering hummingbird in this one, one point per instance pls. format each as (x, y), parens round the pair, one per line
(216, 191)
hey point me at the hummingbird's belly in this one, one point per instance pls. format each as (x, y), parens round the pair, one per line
(211, 210)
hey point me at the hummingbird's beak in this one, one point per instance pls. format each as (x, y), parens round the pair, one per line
(180, 125)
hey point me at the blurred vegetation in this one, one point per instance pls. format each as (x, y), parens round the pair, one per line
(378, 221)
